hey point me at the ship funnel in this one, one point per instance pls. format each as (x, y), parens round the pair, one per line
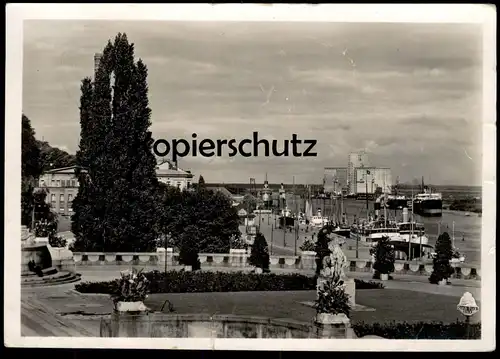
(405, 214)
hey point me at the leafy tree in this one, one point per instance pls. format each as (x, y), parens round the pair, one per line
(53, 157)
(321, 248)
(116, 207)
(259, 256)
(211, 212)
(384, 257)
(30, 155)
(249, 202)
(30, 169)
(442, 268)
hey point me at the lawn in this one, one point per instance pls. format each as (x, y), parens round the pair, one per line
(390, 305)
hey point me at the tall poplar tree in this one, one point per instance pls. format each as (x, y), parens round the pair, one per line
(116, 207)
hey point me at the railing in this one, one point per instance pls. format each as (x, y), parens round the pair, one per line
(239, 258)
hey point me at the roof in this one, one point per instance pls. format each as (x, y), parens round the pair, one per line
(62, 169)
(166, 170)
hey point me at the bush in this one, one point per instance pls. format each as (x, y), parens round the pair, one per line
(188, 253)
(420, 330)
(384, 256)
(259, 257)
(190, 282)
(332, 299)
(442, 268)
(56, 241)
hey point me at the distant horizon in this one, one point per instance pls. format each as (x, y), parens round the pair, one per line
(222, 184)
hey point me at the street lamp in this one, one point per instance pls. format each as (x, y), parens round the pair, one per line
(468, 307)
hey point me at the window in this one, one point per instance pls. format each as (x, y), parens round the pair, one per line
(73, 183)
(58, 183)
(53, 183)
(61, 197)
(53, 198)
(70, 197)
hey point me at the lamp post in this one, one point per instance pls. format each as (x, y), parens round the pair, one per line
(272, 232)
(468, 307)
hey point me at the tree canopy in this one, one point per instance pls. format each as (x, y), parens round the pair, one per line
(116, 206)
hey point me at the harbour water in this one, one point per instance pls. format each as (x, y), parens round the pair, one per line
(467, 228)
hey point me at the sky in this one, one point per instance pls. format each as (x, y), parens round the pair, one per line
(410, 95)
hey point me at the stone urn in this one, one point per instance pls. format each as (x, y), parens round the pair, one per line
(126, 307)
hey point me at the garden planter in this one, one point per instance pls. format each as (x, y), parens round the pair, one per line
(328, 318)
(42, 240)
(384, 276)
(130, 307)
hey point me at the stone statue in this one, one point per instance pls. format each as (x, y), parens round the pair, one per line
(334, 264)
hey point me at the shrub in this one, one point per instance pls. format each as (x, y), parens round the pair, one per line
(442, 268)
(259, 257)
(189, 282)
(420, 330)
(332, 299)
(308, 246)
(384, 256)
(188, 253)
(131, 287)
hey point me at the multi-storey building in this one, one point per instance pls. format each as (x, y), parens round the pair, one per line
(335, 180)
(61, 184)
(355, 160)
(368, 179)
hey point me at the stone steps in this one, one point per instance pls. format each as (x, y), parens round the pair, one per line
(46, 272)
(49, 280)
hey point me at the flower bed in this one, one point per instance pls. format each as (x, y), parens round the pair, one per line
(420, 330)
(190, 282)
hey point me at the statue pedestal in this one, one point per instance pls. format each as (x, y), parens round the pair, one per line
(349, 285)
(350, 289)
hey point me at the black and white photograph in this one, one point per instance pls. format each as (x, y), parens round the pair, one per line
(188, 175)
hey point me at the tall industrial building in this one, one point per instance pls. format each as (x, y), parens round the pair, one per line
(368, 179)
(335, 180)
(355, 160)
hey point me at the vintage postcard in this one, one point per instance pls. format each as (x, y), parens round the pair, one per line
(251, 177)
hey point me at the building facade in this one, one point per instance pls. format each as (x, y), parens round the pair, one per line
(61, 185)
(168, 173)
(335, 180)
(368, 179)
(355, 160)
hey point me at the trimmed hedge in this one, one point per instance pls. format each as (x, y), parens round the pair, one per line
(419, 330)
(199, 281)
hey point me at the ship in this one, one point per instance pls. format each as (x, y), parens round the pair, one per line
(427, 203)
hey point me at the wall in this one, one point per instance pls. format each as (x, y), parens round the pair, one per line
(160, 325)
(303, 263)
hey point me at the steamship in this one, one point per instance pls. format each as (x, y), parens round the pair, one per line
(427, 203)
